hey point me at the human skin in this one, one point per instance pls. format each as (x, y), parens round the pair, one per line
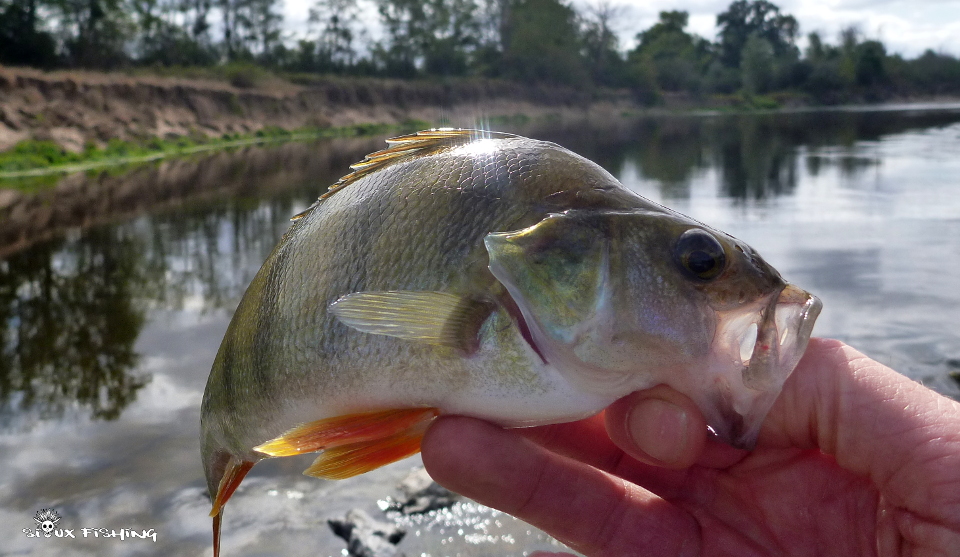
(853, 459)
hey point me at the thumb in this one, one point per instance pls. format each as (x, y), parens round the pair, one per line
(874, 421)
(658, 426)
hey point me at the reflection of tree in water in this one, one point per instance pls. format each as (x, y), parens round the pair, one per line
(71, 310)
(756, 155)
(69, 318)
(756, 160)
(671, 152)
(208, 256)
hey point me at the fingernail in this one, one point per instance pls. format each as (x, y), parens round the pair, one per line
(659, 429)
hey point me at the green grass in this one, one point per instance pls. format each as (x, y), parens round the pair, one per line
(34, 159)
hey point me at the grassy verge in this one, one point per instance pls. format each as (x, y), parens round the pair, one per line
(31, 163)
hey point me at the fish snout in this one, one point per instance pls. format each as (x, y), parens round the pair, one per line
(761, 352)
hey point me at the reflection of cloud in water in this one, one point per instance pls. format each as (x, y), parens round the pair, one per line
(844, 270)
(881, 254)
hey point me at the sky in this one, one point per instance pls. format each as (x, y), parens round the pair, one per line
(906, 27)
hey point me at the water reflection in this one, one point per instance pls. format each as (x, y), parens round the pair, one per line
(115, 292)
(72, 309)
(72, 314)
(756, 156)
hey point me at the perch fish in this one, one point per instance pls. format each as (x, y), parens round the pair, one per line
(488, 275)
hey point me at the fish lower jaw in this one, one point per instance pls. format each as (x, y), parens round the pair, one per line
(755, 351)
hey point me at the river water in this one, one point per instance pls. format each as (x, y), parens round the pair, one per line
(111, 313)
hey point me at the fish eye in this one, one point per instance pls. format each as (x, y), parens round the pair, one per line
(699, 254)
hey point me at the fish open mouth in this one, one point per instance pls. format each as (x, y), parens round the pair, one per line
(765, 346)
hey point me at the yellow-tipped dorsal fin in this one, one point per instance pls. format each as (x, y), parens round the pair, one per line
(405, 147)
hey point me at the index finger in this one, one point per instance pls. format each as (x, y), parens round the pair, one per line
(590, 510)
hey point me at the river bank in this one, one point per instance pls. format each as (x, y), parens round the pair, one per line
(68, 121)
(78, 109)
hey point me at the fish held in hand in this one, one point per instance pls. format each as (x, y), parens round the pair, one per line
(494, 276)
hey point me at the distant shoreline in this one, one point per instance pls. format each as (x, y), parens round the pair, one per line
(68, 121)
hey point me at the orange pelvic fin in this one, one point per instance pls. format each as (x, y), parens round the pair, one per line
(347, 461)
(232, 476)
(352, 429)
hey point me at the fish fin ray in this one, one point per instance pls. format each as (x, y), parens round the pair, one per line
(437, 318)
(352, 460)
(216, 534)
(350, 429)
(235, 471)
(405, 147)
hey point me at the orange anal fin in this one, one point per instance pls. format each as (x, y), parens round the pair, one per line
(346, 430)
(347, 461)
(232, 476)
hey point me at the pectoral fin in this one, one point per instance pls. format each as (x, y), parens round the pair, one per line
(437, 318)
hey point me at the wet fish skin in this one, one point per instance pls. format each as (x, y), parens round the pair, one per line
(416, 225)
(495, 276)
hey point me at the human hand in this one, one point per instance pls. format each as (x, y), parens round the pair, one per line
(853, 459)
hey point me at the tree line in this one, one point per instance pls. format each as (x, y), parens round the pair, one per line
(545, 41)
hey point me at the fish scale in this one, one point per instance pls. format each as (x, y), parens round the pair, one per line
(489, 275)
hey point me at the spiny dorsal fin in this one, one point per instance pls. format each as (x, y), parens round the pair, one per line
(422, 143)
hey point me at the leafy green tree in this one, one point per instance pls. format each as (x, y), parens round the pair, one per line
(22, 40)
(676, 58)
(759, 17)
(435, 36)
(816, 49)
(172, 32)
(600, 46)
(263, 24)
(870, 64)
(338, 19)
(94, 32)
(756, 65)
(543, 44)
(934, 73)
(249, 27)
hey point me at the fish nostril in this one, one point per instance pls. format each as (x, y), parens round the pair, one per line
(747, 343)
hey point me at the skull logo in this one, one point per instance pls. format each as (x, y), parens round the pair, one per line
(47, 520)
